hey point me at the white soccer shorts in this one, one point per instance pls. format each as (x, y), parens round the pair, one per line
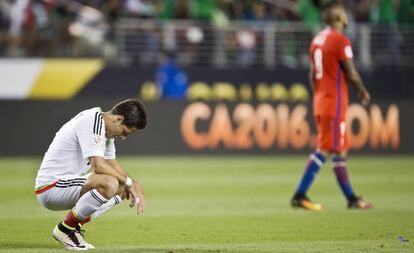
(62, 194)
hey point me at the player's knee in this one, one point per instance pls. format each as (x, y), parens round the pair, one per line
(122, 193)
(112, 183)
(109, 185)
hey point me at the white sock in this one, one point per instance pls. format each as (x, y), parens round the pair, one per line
(88, 204)
(115, 200)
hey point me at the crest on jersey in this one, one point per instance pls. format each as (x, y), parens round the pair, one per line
(348, 52)
(97, 139)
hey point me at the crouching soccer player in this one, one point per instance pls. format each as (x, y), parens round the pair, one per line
(331, 67)
(86, 143)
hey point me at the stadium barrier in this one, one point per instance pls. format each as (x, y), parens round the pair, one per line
(383, 83)
(58, 79)
(191, 128)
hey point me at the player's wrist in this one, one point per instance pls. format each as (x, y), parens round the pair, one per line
(128, 182)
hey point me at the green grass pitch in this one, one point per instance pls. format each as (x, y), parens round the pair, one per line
(225, 204)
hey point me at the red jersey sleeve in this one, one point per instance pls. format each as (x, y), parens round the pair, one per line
(344, 49)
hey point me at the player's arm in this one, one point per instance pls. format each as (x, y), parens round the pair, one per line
(102, 166)
(135, 189)
(354, 78)
(116, 166)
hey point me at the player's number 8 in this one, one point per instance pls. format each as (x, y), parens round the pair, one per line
(317, 59)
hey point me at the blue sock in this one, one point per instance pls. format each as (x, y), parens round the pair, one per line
(315, 161)
(339, 166)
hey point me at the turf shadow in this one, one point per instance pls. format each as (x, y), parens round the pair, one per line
(158, 250)
(26, 245)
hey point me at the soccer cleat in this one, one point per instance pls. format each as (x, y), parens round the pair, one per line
(80, 233)
(358, 203)
(305, 203)
(68, 238)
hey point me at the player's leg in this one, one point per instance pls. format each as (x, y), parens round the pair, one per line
(63, 195)
(95, 192)
(340, 168)
(339, 161)
(120, 195)
(314, 163)
(300, 198)
(115, 200)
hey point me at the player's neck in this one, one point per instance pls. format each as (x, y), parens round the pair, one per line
(337, 26)
(106, 117)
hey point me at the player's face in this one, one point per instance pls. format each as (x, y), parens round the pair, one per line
(344, 18)
(121, 131)
(116, 129)
(125, 131)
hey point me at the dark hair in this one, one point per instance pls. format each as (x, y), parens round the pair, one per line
(133, 111)
(328, 13)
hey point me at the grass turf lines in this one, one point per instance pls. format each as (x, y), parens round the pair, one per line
(225, 204)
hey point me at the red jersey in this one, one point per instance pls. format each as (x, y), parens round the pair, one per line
(327, 49)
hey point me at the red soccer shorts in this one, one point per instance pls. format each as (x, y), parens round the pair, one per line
(332, 134)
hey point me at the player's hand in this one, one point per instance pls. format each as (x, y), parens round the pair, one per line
(134, 196)
(137, 199)
(141, 205)
(365, 97)
(125, 194)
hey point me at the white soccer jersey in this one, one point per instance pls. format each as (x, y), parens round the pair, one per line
(77, 140)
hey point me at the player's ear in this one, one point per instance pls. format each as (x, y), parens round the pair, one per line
(118, 119)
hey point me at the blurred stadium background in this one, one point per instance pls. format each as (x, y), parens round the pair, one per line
(219, 160)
